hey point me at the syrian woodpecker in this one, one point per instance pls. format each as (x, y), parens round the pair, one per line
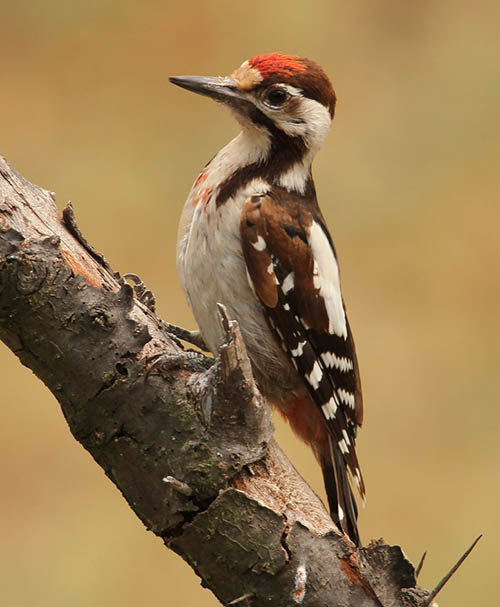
(253, 238)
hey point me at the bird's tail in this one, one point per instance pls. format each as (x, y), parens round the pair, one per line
(343, 509)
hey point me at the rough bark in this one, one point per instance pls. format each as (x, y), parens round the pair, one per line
(189, 447)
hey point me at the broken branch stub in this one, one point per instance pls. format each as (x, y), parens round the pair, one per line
(240, 419)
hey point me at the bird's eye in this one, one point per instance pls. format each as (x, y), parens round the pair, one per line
(276, 97)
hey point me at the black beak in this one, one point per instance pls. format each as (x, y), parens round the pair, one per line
(220, 89)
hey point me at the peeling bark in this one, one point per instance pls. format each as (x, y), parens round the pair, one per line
(191, 447)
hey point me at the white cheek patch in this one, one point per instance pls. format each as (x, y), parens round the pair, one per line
(312, 122)
(312, 125)
(317, 121)
(326, 279)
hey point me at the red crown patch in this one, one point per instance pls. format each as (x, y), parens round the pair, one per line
(277, 63)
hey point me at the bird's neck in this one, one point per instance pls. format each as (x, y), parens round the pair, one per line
(274, 157)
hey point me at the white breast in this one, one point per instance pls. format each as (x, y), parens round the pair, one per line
(209, 255)
(212, 268)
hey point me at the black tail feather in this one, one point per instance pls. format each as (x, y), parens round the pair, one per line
(339, 493)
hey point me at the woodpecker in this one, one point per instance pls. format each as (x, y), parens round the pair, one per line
(252, 237)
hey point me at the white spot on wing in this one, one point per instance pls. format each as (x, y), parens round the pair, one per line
(341, 513)
(260, 245)
(339, 362)
(357, 478)
(346, 397)
(343, 447)
(330, 409)
(327, 280)
(288, 283)
(315, 375)
(298, 350)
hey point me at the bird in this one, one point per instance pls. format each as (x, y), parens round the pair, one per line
(252, 237)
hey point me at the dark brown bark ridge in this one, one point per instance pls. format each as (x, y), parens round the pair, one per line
(191, 448)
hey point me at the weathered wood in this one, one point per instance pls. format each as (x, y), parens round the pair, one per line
(191, 447)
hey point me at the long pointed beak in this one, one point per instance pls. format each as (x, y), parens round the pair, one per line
(220, 89)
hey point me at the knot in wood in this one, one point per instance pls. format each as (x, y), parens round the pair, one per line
(29, 273)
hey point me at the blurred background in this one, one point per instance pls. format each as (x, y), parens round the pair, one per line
(409, 183)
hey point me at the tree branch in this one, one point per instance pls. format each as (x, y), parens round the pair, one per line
(191, 448)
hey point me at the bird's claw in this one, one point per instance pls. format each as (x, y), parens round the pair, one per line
(192, 337)
(190, 360)
(142, 293)
(146, 297)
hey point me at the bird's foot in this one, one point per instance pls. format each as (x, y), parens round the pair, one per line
(192, 337)
(190, 361)
(146, 297)
(141, 292)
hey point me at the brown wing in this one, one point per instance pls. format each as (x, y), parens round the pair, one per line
(292, 267)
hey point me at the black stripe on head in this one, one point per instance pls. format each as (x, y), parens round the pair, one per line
(285, 151)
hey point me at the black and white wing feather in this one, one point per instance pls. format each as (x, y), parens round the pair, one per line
(293, 270)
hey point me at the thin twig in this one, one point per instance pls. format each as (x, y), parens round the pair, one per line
(239, 599)
(178, 485)
(441, 584)
(420, 564)
(69, 220)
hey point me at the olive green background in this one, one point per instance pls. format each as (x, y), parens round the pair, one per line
(409, 183)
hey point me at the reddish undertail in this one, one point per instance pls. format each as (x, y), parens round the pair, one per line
(307, 422)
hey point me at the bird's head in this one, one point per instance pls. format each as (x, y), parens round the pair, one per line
(283, 94)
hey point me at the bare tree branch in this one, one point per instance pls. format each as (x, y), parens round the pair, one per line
(429, 601)
(191, 448)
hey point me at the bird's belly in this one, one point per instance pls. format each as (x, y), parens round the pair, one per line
(213, 270)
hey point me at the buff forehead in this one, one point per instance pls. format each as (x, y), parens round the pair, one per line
(247, 77)
(253, 71)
